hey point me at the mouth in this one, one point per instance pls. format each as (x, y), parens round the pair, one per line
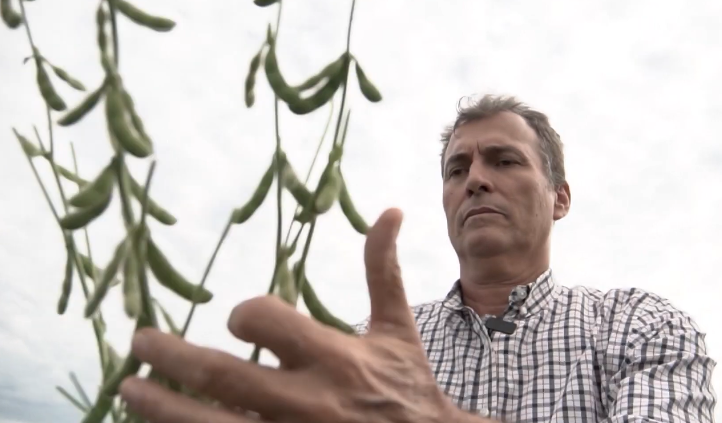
(480, 211)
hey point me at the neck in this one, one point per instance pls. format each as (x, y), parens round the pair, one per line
(487, 282)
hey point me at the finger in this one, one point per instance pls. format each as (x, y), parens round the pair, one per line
(389, 307)
(159, 405)
(274, 324)
(218, 374)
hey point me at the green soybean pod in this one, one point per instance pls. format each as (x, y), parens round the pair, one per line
(109, 390)
(119, 126)
(299, 191)
(368, 89)
(67, 283)
(158, 212)
(284, 282)
(269, 34)
(142, 18)
(276, 80)
(349, 210)
(96, 191)
(11, 18)
(317, 309)
(65, 173)
(78, 112)
(134, 118)
(264, 3)
(81, 217)
(89, 268)
(101, 288)
(62, 74)
(250, 84)
(303, 106)
(329, 191)
(242, 214)
(132, 303)
(329, 71)
(172, 279)
(47, 90)
(28, 147)
(100, 19)
(113, 362)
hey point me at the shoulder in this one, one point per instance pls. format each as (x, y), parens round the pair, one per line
(640, 308)
(636, 317)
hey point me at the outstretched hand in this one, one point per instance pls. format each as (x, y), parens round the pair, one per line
(325, 376)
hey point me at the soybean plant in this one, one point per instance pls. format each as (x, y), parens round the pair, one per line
(136, 253)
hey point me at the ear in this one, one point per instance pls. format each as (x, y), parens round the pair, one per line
(563, 201)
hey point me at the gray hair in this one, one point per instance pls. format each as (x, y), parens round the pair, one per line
(550, 144)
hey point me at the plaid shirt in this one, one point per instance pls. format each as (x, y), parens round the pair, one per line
(577, 355)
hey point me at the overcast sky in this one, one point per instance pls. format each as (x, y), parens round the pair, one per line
(632, 87)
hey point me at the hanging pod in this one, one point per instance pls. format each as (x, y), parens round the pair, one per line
(78, 112)
(242, 214)
(101, 288)
(142, 18)
(98, 190)
(368, 89)
(316, 308)
(120, 126)
(170, 278)
(155, 210)
(47, 91)
(250, 82)
(275, 78)
(67, 286)
(349, 210)
(10, 16)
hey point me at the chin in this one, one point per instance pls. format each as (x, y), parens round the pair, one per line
(484, 243)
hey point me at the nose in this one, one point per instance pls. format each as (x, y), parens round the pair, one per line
(478, 180)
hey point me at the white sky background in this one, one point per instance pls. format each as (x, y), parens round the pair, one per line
(632, 87)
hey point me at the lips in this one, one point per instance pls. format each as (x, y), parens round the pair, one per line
(480, 210)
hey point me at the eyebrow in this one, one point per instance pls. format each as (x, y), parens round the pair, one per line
(489, 150)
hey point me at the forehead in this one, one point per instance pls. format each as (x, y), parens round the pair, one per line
(502, 129)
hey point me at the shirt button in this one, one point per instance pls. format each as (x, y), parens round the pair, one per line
(484, 412)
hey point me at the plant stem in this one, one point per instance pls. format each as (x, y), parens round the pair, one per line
(94, 276)
(279, 168)
(128, 218)
(98, 324)
(345, 82)
(302, 263)
(226, 230)
(114, 29)
(310, 168)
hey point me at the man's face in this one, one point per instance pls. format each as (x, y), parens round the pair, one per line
(494, 166)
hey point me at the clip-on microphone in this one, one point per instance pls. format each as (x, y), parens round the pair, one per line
(500, 325)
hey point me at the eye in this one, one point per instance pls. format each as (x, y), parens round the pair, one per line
(506, 162)
(455, 171)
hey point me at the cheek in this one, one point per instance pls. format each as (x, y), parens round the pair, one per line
(534, 201)
(449, 205)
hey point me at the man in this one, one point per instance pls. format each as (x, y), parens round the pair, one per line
(507, 343)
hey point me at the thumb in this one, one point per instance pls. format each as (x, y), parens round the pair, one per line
(389, 308)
